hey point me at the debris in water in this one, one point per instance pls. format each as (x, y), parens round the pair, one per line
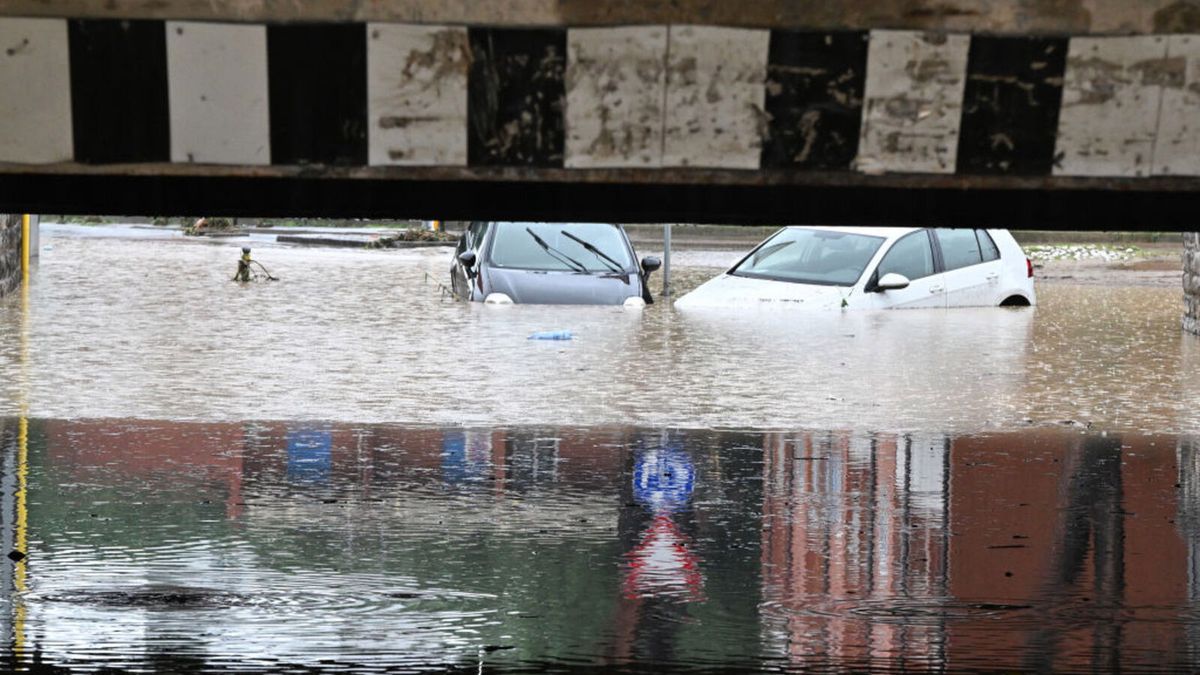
(212, 227)
(551, 335)
(412, 234)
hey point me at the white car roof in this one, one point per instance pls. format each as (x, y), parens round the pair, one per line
(888, 232)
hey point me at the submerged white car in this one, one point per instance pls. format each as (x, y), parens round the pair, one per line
(874, 268)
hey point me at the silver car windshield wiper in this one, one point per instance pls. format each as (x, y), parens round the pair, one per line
(557, 254)
(591, 248)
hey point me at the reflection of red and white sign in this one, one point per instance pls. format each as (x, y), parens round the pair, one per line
(662, 565)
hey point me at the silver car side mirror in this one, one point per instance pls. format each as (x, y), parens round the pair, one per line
(892, 282)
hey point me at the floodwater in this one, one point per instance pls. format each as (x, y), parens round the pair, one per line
(347, 471)
(277, 546)
(151, 329)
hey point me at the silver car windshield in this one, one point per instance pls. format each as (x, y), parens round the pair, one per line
(822, 257)
(571, 247)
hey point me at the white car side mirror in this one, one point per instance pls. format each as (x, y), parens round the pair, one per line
(892, 282)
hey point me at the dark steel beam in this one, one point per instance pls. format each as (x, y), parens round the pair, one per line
(697, 196)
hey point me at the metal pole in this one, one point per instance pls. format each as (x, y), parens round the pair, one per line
(35, 239)
(666, 275)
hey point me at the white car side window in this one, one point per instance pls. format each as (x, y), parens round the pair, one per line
(911, 256)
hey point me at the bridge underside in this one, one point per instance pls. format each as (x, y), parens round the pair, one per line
(1009, 113)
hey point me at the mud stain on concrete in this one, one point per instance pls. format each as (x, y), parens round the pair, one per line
(715, 115)
(1180, 17)
(418, 92)
(448, 57)
(913, 99)
(1109, 116)
(615, 85)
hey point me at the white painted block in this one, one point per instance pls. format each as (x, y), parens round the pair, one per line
(1177, 141)
(912, 102)
(1109, 114)
(217, 89)
(715, 97)
(35, 92)
(615, 84)
(417, 94)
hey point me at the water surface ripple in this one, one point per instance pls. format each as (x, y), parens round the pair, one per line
(345, 471)
(278, 546)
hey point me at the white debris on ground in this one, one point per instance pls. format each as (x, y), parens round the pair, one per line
(1082, 252)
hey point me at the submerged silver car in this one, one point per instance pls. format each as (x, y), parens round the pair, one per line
(550, 263)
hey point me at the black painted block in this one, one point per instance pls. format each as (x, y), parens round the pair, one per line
(119, 103)
(318, 89)
(517, 96)
(814, 99)
(1010, 105)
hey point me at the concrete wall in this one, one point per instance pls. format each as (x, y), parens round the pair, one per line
(10, 253)
(1023, 17)
(1191, 282)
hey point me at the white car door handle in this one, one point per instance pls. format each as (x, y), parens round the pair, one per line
(993, 276)
(935, 289)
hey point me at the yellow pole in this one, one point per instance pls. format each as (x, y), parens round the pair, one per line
(21, 536)
(21, 540)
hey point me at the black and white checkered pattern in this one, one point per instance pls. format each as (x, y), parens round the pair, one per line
(110, 91)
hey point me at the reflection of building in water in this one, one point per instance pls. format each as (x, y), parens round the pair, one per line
(1044, 549)
(1188, 453)
(8, 514)
(851, 521)
(1080, 529)
(143, 457)
(529, 514)
(1041, 549)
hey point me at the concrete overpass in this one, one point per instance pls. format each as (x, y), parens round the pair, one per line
(1010, 113)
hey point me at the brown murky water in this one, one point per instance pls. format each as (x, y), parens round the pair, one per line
(344, 471)
(151, 329)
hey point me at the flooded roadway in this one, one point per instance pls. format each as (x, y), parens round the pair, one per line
(344, 471)
(150, 329)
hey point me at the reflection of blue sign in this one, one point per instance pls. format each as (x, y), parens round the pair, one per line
(454, 456)
(663, 479)
(466, 456)
(309, 455)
